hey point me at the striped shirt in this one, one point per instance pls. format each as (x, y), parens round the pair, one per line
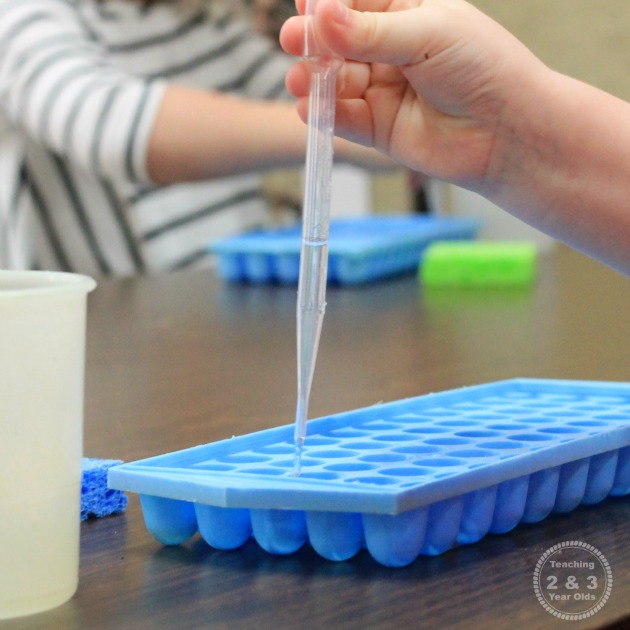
(80, 85)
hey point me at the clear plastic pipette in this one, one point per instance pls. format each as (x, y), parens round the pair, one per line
(311, 302)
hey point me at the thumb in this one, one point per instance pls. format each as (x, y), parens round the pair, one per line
(398, 38)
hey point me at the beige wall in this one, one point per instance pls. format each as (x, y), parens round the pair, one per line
(587, 39)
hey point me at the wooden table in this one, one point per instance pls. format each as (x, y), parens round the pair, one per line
(181, 360)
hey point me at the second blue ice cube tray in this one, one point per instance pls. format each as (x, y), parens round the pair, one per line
(360, 250)
(408, 478)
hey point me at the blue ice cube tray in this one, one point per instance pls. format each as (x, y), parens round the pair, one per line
(360, 250)
(408, 478)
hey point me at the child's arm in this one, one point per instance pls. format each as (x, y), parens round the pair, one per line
(60, 88)
(443, 89)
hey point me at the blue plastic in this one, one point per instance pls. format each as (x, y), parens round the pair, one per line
(360, 250)
(416, 476)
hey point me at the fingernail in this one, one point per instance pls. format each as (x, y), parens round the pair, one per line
(342, 14)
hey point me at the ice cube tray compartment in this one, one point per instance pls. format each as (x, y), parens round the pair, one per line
(360, 250)
(408, 478)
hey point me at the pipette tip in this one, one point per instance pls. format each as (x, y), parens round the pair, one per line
(297, 457)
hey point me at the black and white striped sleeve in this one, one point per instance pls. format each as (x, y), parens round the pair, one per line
(56, 84)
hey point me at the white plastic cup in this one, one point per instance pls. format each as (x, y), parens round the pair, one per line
(42, 359)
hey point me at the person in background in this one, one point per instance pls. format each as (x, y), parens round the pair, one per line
(446, 91)
(133, 132)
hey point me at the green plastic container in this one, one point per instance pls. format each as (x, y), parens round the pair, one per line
(478, 264)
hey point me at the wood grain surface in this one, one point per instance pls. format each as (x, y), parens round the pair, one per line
(184, 359)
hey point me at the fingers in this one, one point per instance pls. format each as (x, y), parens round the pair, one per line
(363, 5)
(292, 36)
(382, 30)
(353, 120)
(398, 37)
(352, 80)
(297, 80)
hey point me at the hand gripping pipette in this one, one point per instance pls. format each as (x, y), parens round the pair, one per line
(311, 302)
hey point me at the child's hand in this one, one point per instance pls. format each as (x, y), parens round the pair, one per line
(435, 84)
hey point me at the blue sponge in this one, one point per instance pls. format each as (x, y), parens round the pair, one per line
(96, 498)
